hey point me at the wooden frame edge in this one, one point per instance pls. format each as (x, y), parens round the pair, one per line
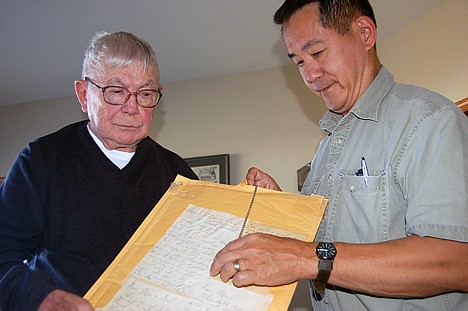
(463, 104)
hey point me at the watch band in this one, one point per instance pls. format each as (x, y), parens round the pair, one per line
(319, 289)
(325, 267)
(326, 252)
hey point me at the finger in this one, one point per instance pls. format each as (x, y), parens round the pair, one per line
(254, 275)
(256, 177)
(224, 258)
(232, 246)
(232, 251)
(252, 175)
(229, 270)
(244, 278)
(248, 274)
(220, 260)
(216, 266)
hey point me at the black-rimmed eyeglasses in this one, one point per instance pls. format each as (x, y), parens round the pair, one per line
(118, 95)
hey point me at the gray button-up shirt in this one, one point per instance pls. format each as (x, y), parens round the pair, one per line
(415, 145)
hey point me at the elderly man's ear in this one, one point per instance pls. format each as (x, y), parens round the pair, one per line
(81, 90)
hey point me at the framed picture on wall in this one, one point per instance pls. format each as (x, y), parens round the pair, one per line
(213, 168)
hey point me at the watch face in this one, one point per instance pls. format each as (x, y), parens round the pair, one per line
(326, 251)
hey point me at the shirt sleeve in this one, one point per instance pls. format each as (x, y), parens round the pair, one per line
(433, 174)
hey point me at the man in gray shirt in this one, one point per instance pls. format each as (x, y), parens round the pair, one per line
(393, 166)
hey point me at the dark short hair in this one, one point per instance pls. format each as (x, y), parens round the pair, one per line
(334, 14)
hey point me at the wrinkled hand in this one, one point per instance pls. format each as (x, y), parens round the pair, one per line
(256, 177)
(59, 300)
(264, 260)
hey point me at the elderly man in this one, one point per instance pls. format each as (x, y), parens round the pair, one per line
(393, 166)
(73, 198)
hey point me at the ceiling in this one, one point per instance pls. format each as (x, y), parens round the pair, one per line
(42, 42)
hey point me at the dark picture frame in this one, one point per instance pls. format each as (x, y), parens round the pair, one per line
(213, 168)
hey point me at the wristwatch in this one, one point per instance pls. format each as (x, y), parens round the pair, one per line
(326, 252)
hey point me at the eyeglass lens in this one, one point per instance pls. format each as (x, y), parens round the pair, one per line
(119, 96)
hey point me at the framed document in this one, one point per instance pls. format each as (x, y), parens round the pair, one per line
(211, 168)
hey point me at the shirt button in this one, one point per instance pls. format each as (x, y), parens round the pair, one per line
(326, 300)
(330, 177)
(339, 140)
(352, 188)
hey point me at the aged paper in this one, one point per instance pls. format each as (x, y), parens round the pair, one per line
(165, 266)
(183, 257)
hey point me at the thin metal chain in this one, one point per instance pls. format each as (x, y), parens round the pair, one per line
(248, 212)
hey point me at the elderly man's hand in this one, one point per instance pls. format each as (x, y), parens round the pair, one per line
(59, 300)
(264, 260)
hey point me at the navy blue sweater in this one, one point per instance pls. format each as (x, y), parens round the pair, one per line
(66, 211)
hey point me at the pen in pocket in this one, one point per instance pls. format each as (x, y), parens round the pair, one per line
(363, 171)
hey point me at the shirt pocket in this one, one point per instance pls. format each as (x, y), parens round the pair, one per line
(364, 207)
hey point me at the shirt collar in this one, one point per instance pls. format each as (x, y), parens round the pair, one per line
(366, 107)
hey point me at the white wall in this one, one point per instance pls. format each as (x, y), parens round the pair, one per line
(432, 51)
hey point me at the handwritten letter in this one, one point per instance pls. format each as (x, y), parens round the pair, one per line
(174, 275)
